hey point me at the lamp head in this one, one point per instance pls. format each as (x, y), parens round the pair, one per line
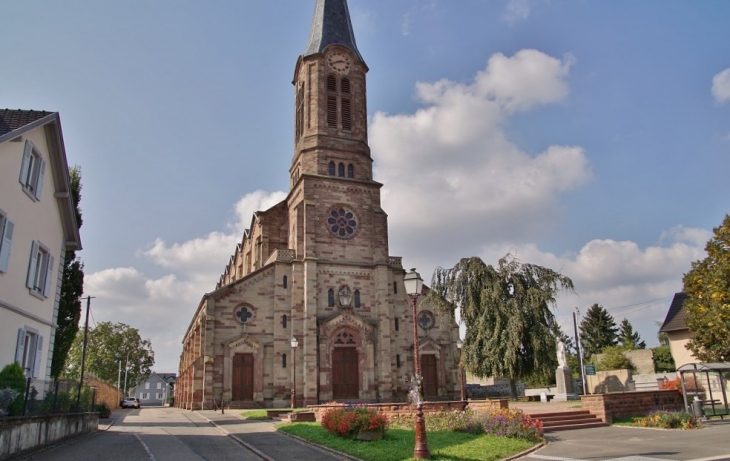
(413, 283)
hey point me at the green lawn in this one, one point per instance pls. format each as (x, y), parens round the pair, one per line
(398, 444)
(261, 414)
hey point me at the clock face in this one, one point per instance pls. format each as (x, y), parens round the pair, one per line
(339, 62)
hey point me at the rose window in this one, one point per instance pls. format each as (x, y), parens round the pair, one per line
(244, 314)
(342, 223)
(426, 320)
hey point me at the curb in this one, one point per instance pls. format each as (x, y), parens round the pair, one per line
(236, 439)
(526, 452)
(327, 450)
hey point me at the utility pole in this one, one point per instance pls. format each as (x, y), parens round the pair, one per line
(119, 377)
(580, 352)
(126, 370)
(83, 351)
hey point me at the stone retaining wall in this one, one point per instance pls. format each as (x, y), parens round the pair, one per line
(607, 407)
(20, 434)
(395, 409)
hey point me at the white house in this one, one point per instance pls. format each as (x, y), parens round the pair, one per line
(37, 226)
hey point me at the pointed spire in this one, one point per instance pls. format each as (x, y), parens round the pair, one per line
(331, 25)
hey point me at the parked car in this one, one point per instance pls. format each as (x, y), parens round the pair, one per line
(130, 402)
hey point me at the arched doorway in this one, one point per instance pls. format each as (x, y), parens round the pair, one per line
(345, 369)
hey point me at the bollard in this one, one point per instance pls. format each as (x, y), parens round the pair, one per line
(697, 407)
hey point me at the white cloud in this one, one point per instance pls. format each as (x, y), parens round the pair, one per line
(453, 175)
(161, 308)
(516, 10)
(721, 86)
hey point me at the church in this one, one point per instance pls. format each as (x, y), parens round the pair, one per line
(311, 307)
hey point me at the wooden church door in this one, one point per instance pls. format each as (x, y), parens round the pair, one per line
(345, 373)
(430, 375)
(242, 385)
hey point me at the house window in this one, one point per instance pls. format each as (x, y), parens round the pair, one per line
(6, 239)
(341, 170)
(146, 385)
(331, 169)
(284, 281)
(145, 395)
(357, 298)
(28, 351)
(350, 171)
(283, 360)
(159, 385)
(32, 171)
(158, 396)
(331, 297)
(40, 270)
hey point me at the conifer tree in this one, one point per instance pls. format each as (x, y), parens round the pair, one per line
(628, 338)
(597, 330)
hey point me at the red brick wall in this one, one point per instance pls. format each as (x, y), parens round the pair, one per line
(394, 409)
(624, 404)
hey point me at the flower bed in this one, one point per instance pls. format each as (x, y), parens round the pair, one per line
(354, 422)
(668, 420)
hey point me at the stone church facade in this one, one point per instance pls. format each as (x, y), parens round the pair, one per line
(316, 267)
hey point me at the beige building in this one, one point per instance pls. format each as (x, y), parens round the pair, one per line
(316, 267)
(37, 226)
(676, 329)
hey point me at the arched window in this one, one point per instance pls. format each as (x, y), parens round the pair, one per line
(331, 169)
(395, 288)
(332, 83)
(341, 170)
(283, 321)
(346, 115)
(331, 297)
(397, 360)
(396, 324)
(332, 111)
(357, 298)
(351, 171)
(284, 281)
(283, 360)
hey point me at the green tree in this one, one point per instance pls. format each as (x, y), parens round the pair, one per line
(613, 358)
(663, 360)
(707, 286)
(628, 338)
(72, 288)
(506, 311)
(108, 345)
(597, 330)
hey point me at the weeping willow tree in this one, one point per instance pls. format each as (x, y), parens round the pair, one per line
(507, 313)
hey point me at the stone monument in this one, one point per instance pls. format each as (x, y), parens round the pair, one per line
(563, 377)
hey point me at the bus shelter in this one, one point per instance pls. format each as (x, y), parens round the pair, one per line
(709, 383)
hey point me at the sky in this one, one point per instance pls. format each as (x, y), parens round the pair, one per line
(592, 138)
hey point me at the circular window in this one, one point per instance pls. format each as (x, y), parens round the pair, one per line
(244, 314)
(342, 222)
(426, 320)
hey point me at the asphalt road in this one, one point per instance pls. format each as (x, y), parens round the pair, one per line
(151, 434)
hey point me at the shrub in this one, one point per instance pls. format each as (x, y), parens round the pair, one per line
(7, 397)
(347, 422)
(668, 420)
(103, 410)
(12, 376)
(614, 359)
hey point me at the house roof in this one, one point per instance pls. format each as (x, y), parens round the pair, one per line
(16, 122)
(677, 315)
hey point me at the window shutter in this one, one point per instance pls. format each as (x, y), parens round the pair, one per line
(49, 277)
(346, 115)
(20, 346)
(332, 112)
(37, 359)
(26, 163)
(32, 266)
(5, 241)
(41, 175)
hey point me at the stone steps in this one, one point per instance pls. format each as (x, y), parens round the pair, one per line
(568, 420)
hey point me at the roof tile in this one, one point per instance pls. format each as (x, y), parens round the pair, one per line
(13, 119)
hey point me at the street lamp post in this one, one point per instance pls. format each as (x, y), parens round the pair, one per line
(462, 380)
(414, 285)
(294, 344)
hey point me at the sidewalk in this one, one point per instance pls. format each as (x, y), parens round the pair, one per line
(261, 438)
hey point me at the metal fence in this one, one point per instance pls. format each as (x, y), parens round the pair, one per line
(29, 396)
